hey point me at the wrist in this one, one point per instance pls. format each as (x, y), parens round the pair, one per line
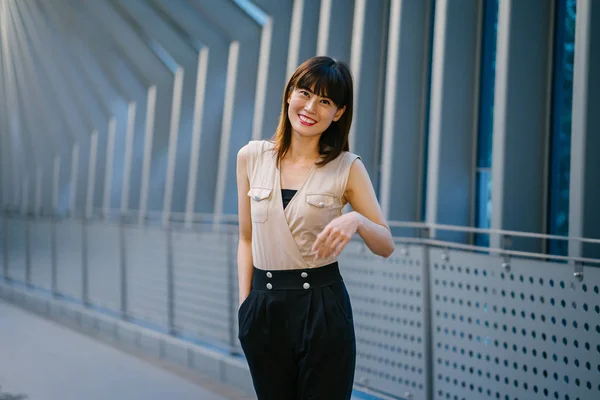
(360, 220)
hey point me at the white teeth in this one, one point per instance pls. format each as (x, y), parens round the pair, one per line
(306, 119)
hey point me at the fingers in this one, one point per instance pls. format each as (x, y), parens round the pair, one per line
(321, 237)
(341, 246)
(330, 242)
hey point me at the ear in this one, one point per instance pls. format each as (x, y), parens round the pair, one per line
(339, 113)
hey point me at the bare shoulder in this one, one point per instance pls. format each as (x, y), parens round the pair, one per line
(361, 193)
(358, 176)
(243, 152)
(255, 147)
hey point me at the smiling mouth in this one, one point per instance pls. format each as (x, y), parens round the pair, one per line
(305, 120)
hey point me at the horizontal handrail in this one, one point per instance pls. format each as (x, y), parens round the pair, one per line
(211, 218)
(468, 229)
(208, 217)
(489, 250)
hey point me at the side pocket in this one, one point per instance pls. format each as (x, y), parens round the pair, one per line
(244, 304)
(244, 312)
(342, 300)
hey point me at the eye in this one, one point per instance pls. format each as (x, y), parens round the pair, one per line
(326, 102)
(303, 92)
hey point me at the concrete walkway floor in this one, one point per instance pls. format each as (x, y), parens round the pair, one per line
(47, 361)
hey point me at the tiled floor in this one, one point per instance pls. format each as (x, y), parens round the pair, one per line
(47, 361)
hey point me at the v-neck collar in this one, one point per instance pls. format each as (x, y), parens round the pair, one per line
(278, 208)
(304, 184)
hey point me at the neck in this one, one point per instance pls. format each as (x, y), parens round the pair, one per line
(303, 148)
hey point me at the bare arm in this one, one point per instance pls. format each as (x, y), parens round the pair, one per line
(372, 227)
(244, 257)
(366, 219)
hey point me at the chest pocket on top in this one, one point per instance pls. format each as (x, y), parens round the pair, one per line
(260, 198)
(322, 208)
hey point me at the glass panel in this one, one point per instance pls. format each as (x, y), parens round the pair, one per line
(426, 129)
(483, 195)
(483, 218)
(561, 124)
(488, 74)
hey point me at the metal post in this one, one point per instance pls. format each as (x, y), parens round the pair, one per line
(172, 147)
(231, 296)
(506, 242)
(196, 135)
(5, 244)
(170, 282)
(578, 271)
(54, 258)
(131, 110)
(147, 158)
(427, 317)
(27, 252)
(84, 262)
(123, 267)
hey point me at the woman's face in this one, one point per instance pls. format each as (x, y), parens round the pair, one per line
(309, 114)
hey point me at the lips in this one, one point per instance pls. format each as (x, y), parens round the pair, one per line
(305, 120)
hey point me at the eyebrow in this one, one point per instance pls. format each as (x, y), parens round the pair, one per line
(308, 90)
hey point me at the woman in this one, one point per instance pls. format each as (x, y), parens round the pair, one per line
(295, 318)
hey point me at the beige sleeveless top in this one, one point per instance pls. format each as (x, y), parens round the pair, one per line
(282, 239)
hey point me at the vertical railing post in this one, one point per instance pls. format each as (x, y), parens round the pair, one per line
(427, 315)
(6, 247)
(231, 296)
(27, 252)
(54, 255)
(170, 281)
(123, 268)
(506, 242)
(84, 262)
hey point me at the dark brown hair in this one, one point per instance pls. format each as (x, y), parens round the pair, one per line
(325, 77)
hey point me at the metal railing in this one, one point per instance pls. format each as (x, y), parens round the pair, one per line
(149, 280)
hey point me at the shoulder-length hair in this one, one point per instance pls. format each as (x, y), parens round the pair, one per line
(325, 77)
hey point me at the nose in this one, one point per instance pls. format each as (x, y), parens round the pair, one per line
(310, 105)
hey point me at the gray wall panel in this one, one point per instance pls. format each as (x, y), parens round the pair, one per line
(402, 175)
(584, 214)
(521, 118)
(453, 111)
(280, 13)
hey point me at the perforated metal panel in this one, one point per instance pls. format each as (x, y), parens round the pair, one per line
(104, 265)
(69, 258)
(531, 333)
(201, 284)
(146, 260)
(387, 301)
(40, 245)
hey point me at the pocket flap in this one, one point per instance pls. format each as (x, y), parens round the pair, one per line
(321, 200)
(258, 194)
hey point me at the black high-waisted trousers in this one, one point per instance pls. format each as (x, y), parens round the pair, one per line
(297, 332)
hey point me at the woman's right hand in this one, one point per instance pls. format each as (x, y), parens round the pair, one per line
(242, 298)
